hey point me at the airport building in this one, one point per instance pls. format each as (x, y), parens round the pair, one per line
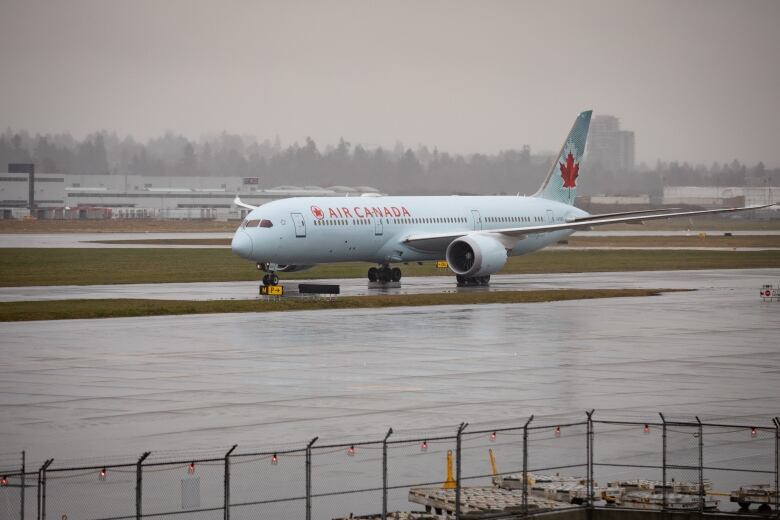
(721, 196)
(136, 196)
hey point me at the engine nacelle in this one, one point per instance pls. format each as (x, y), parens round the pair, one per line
(293, 268)
(476, 255)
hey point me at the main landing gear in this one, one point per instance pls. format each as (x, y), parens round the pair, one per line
(384, 274)
(270, 278)
(472, 281)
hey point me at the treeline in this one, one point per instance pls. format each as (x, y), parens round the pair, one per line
(397, 170)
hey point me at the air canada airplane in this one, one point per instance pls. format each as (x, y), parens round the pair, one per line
(475, 234)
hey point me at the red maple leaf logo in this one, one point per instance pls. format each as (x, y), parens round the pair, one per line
(317, 212)
(569, 172)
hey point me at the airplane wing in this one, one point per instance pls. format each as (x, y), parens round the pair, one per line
(237, 202)
(621, 214)
(439, 241)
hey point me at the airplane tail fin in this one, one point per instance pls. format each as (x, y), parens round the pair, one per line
(561, 181)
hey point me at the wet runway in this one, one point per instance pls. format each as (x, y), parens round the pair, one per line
(79, 388)
(721, 279)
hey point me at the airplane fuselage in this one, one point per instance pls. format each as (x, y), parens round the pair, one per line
(312, 230)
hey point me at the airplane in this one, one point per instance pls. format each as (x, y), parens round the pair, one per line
(474, 234)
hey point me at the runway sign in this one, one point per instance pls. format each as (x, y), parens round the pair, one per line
(770, 293)
(272, 290)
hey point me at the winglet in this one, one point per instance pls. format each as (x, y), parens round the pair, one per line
(237, 202)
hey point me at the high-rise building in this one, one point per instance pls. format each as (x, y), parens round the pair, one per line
(609, 147)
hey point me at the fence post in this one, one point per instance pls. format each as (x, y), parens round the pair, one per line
(226, 512)
(701, 466)
(589, 455)
(42, 489)
(24, 470)
(308, 477)
(525, 465)
(384, 474)
(663, 462)
(776, 420)
(38, 495)
(139, 486)
(462, 427)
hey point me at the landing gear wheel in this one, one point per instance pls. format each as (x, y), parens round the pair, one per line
(764, 509)
(484, 280)
(385, 274)
(373, 274)
(460, 279)
(274, 279)
(744, 506)
(266, 281)
(395, 274)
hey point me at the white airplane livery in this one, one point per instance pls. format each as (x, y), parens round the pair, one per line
(475, 234)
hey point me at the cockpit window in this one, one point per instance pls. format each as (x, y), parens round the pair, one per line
(258, 223)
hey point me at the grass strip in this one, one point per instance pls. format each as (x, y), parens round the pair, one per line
(21, 267)
(116, 308)
(677, 241)
(225, 242)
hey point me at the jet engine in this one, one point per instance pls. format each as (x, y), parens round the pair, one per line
(476, 255)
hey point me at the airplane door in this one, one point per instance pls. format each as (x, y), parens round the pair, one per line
(300, 224)
(477, 220)
(378, 226)
(550, 216)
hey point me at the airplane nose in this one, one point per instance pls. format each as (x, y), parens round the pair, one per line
(242, 245)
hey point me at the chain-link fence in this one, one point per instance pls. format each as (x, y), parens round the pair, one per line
(539, 465)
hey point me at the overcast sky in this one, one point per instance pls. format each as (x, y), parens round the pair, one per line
(696, 80)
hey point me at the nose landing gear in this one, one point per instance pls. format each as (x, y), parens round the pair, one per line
(270, 278)
(384, 274)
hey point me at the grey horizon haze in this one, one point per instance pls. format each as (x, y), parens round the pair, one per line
(697, 81)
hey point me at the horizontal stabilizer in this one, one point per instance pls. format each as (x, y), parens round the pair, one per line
(237, 201)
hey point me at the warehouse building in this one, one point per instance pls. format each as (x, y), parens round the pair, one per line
(136, 196)
(718, 196)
